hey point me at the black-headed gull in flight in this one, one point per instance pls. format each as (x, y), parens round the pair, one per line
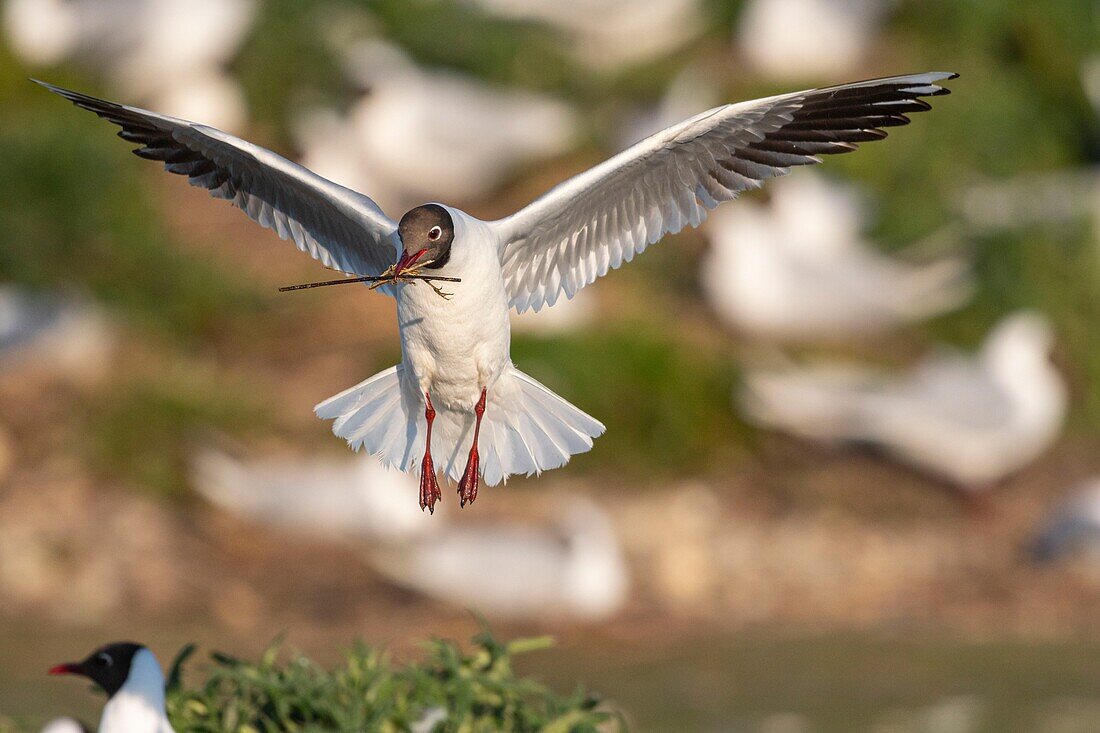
(131, 677)
(456, 388)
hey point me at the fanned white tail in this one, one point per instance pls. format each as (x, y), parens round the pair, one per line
(526, 429)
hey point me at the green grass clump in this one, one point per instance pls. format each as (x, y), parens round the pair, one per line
(477, 690)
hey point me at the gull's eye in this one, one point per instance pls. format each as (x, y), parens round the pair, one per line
(105, 659)
(435, 233)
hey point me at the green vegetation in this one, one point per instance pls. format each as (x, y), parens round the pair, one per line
(478, 690)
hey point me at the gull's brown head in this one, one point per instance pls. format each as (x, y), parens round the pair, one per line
(426, 235)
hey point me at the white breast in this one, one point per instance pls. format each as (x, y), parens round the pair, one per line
(138, 707)
(452, 348)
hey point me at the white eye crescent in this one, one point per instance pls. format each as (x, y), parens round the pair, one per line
(106, 658)
(435, 233)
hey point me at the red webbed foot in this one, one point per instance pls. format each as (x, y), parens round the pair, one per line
(467, 487)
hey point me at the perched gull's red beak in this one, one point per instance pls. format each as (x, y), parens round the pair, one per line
(406, 262)
(65, 669)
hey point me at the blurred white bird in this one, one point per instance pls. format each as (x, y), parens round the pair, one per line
(356, 499)
(167, 53)
(52, 334)
(808, 39)
(608, 34)
(131, 677)
(798, 269)
(1039, 197)
(64, 725)
(392, 141)
(574, 567)
(456, 385)
(1090, 80)
(565, 316)
(1073, 527)
(970, 420)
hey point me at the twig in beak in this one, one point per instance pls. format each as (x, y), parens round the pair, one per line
(379, 280)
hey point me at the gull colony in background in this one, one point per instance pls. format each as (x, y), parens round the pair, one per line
(969, 420)
(798, 269)
(393, 141)
(564, 562)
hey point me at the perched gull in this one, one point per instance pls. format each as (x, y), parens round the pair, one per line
(1073, 528)
(808, 39)
(168, 53)
(354, 498)
(392, 140)
(798, 269)
(455, 368)
(972, 421)
(131, 677)
(573, 568)
(608, 34)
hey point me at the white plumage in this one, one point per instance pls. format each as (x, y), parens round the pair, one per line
(130, 675)
(972, 421)
(139, 706)
(454, 352)
(799, 269)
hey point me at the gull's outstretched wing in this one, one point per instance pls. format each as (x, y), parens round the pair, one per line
(601, 218)
(343, 229)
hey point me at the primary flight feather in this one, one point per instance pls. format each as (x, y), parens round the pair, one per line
(456, 385)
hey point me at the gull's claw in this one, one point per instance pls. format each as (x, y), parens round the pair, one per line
(439, 291)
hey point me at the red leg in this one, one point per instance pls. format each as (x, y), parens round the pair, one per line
(467, 487)
(429, 486)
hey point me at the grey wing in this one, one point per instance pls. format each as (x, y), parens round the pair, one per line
(343, 229)
(601, 218)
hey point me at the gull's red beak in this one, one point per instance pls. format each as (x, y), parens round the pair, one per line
(65, 669)
(406, 261)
